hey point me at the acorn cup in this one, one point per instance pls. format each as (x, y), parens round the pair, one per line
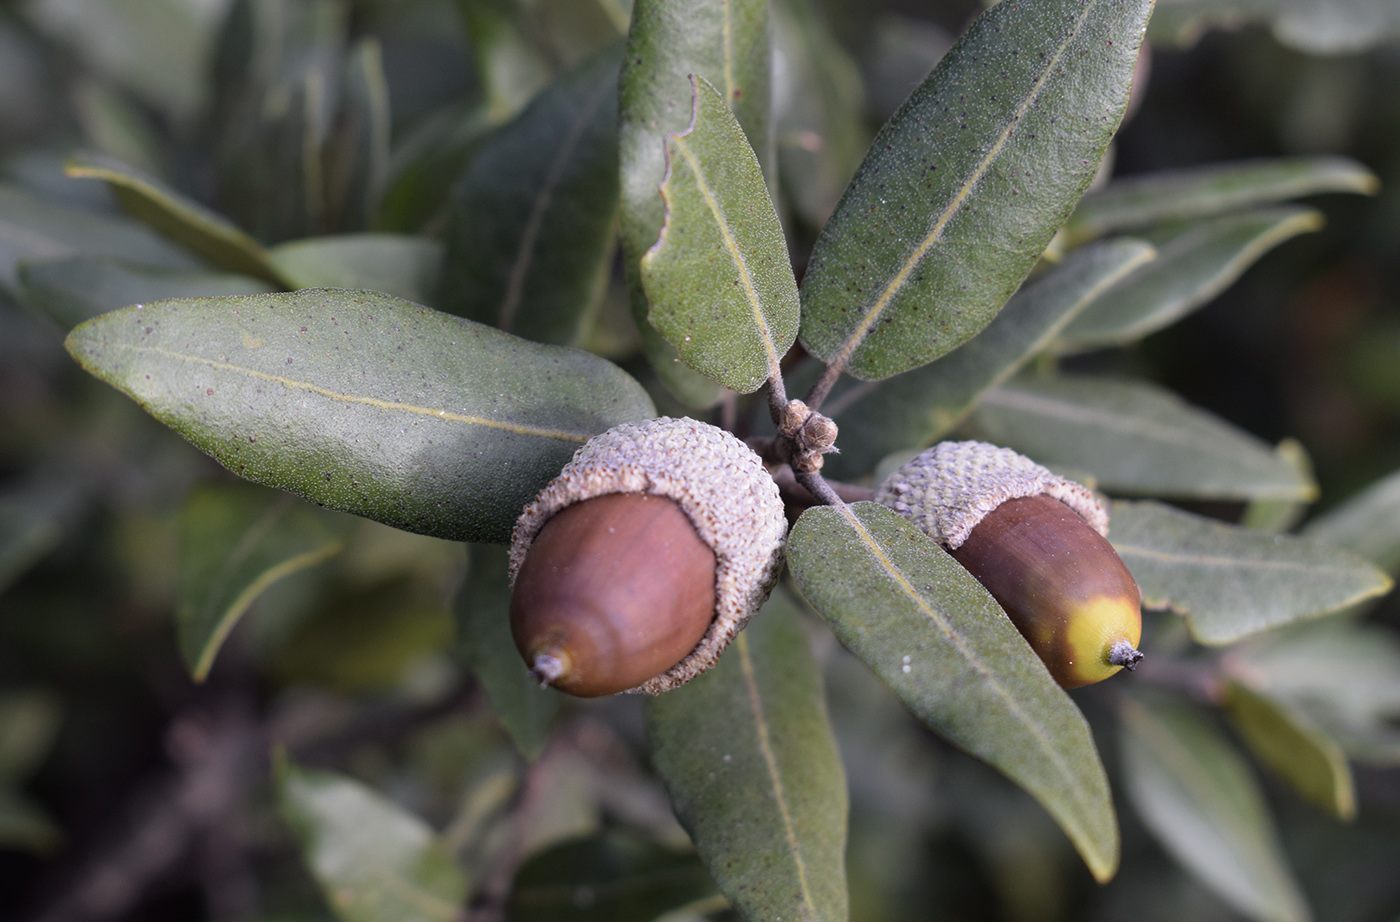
(1036, 542)
(639, 563)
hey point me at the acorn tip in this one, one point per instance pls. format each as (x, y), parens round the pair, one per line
(1124, 654)
(546, 668)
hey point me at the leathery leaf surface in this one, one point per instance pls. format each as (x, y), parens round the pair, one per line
(748, 757)
(364, 402)
(942, 644)
(719, 280)
(1229, 582)
(726, 42)
(967, 183)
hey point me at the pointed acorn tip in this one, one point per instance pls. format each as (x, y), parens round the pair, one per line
(1124, 654)
(546, 668)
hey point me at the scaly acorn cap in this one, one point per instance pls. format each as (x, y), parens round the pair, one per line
(717, 481)
(1036, 542)
(949, 488)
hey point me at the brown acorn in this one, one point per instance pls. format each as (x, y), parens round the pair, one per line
(640, 562)
(1036, 542)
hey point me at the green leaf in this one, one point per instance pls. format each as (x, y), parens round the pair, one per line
(1344, 676)
(510, 70)
(483, 628)
(534, 218)
(113, 123)
(1320, 27)
(235, 542)
(747, 754)
(29, 723)
(157, 48)
(1196, 192)
(727, 44)
(363, 402)
(374, 861)
(1276, 516)
(920, 406)
(1196, 794)
(964, 187)
(1288, 743)
(821, 127)
(1229, 582)
(1135, 437)
(397, 264)
(943, 645)
(613, 877)
(1365, 524)
(32, 228)
(1193, 265)
(36, 513)
(719, 279)
(23, 825)
(183, 220)
(81, 287)
(426, 161)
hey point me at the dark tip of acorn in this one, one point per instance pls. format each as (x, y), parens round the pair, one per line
(546, 668)
(1124, 654)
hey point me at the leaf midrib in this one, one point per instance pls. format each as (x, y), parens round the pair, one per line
(843, 356)
(770, 763)
(447, 415)
(1009, 700)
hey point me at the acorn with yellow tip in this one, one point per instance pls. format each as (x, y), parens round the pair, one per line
(1036, 542)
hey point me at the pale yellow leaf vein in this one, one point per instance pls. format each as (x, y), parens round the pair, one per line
(1009, 701)
(238, 606)
(518, 429)
(872, 316)
(770, 761)
(732, 245)
(525, 252)
(1207, 437)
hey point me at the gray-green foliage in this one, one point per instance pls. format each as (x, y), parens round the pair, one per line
(636, 178)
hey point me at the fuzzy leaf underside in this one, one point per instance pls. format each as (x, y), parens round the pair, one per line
(719, 280)
(1229, 582)
(1135, 438)
(726, 42)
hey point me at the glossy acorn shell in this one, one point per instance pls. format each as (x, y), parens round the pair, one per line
(717, 482)
(1062, 585)
(616, 589)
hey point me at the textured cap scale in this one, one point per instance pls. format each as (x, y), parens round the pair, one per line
(949, 488)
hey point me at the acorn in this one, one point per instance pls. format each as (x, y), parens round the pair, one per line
(1037, 543)
(638, 564)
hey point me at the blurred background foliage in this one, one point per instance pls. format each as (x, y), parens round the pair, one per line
(127, 791)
